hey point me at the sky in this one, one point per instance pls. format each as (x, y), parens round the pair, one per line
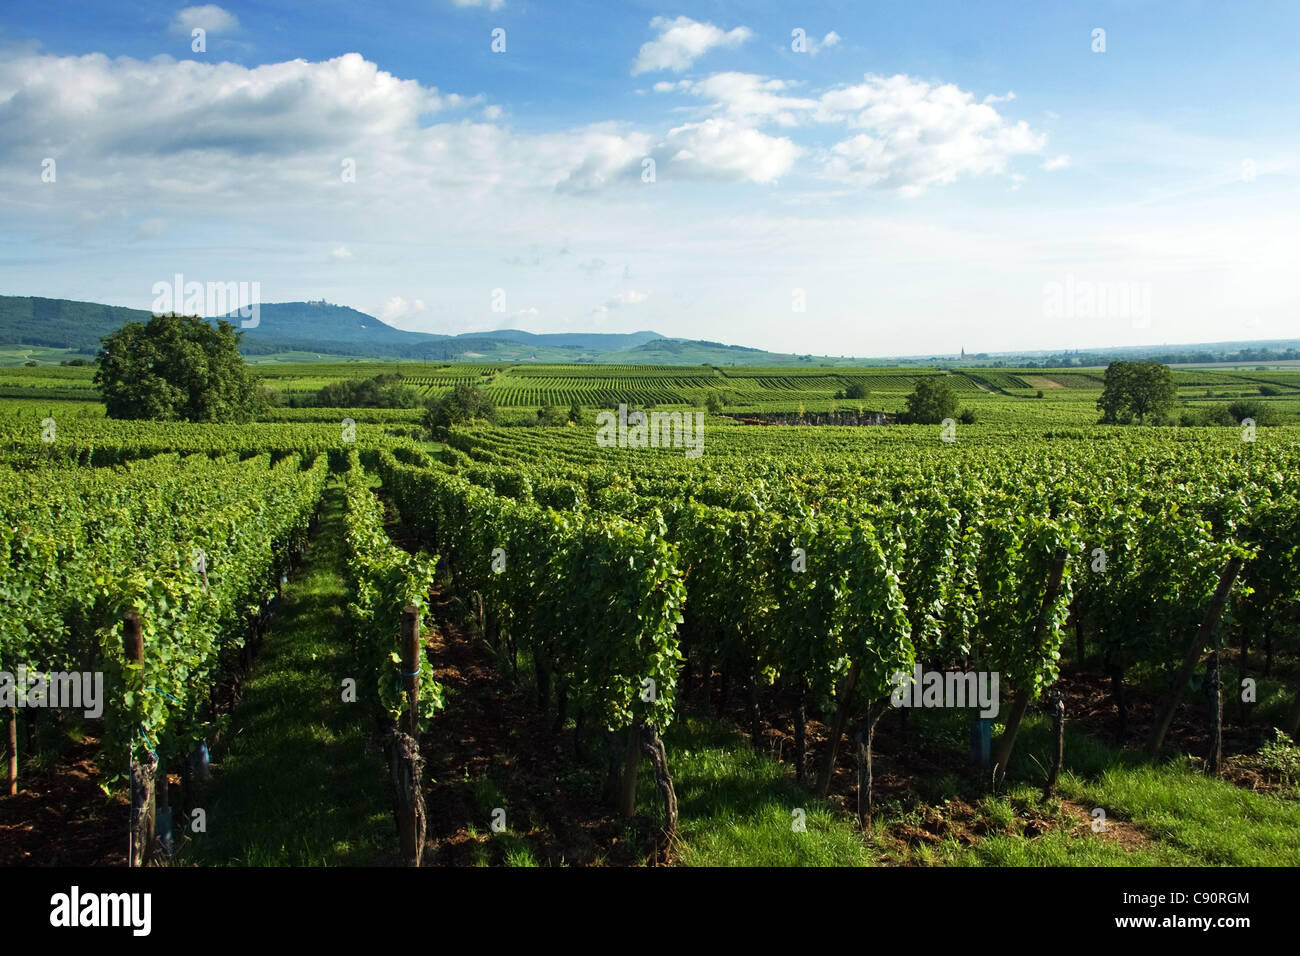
(843, 178)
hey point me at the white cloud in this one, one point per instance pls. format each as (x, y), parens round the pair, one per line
(399, 308)
(681, 42)
(631, 297)
(815, 46)
(917, 134)
(490, 4)
(604, 157)
(340, 253)
(719, 149)
(209, 17)
(1057, 162)
(122, 107)
(747, 97)
(492, 113)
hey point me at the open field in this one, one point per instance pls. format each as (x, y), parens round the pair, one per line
(997, 396)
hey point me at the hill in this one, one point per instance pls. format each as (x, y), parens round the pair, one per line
(312, 331)
(298, 331)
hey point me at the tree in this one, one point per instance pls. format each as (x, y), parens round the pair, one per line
(177, 368)
(382, 391)
(575, 413)
(550, 415)
(1141, 389)
(714, 403)
(856, 390)
(465, 402)
(1261, 413)
(931, 401)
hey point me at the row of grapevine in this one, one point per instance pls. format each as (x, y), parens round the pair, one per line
(595, 600)
(193, 545)
(383, 580)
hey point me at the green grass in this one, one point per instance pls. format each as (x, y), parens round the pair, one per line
(298, 786)
(737, 807)
(12, 355)
(1175, 815)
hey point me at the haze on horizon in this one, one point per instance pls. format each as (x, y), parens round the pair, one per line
(899, 180)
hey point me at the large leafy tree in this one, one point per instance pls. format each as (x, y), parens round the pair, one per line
(177, 367)
(931, 401)
(1138, 390)
(382, 391)
(465, 402)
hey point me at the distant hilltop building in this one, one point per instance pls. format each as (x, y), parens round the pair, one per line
(317, 302)
(963, 352)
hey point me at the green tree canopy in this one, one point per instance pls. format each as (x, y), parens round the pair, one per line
(550, 415)
(465, 402)
(177, 367)
(382, 391)
(856, 390)
(932, 400)
(1138, 390)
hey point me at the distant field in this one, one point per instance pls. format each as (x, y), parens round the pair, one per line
(1046, 397)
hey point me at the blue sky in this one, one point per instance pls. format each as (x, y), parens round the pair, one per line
(918, 179)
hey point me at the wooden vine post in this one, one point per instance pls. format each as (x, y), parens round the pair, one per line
(411, 666)
(144, 770)
(1007, 742)
(1212, 612)
(1058, 744)
(1214, 691)
(13, 750)
(406, 762)
(837, 729)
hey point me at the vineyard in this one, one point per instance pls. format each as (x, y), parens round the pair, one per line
(558, 652)
(1030, 397)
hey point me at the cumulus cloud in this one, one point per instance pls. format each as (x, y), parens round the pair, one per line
(607, 157)
(178, 139)
(399, 308)
(747, 97)
(815, 46)
(340, 253)
(490, 4)
(631, 297)
(918, 134)
(123, 107)
(208, 17)
(681, 42)
(719, 149)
